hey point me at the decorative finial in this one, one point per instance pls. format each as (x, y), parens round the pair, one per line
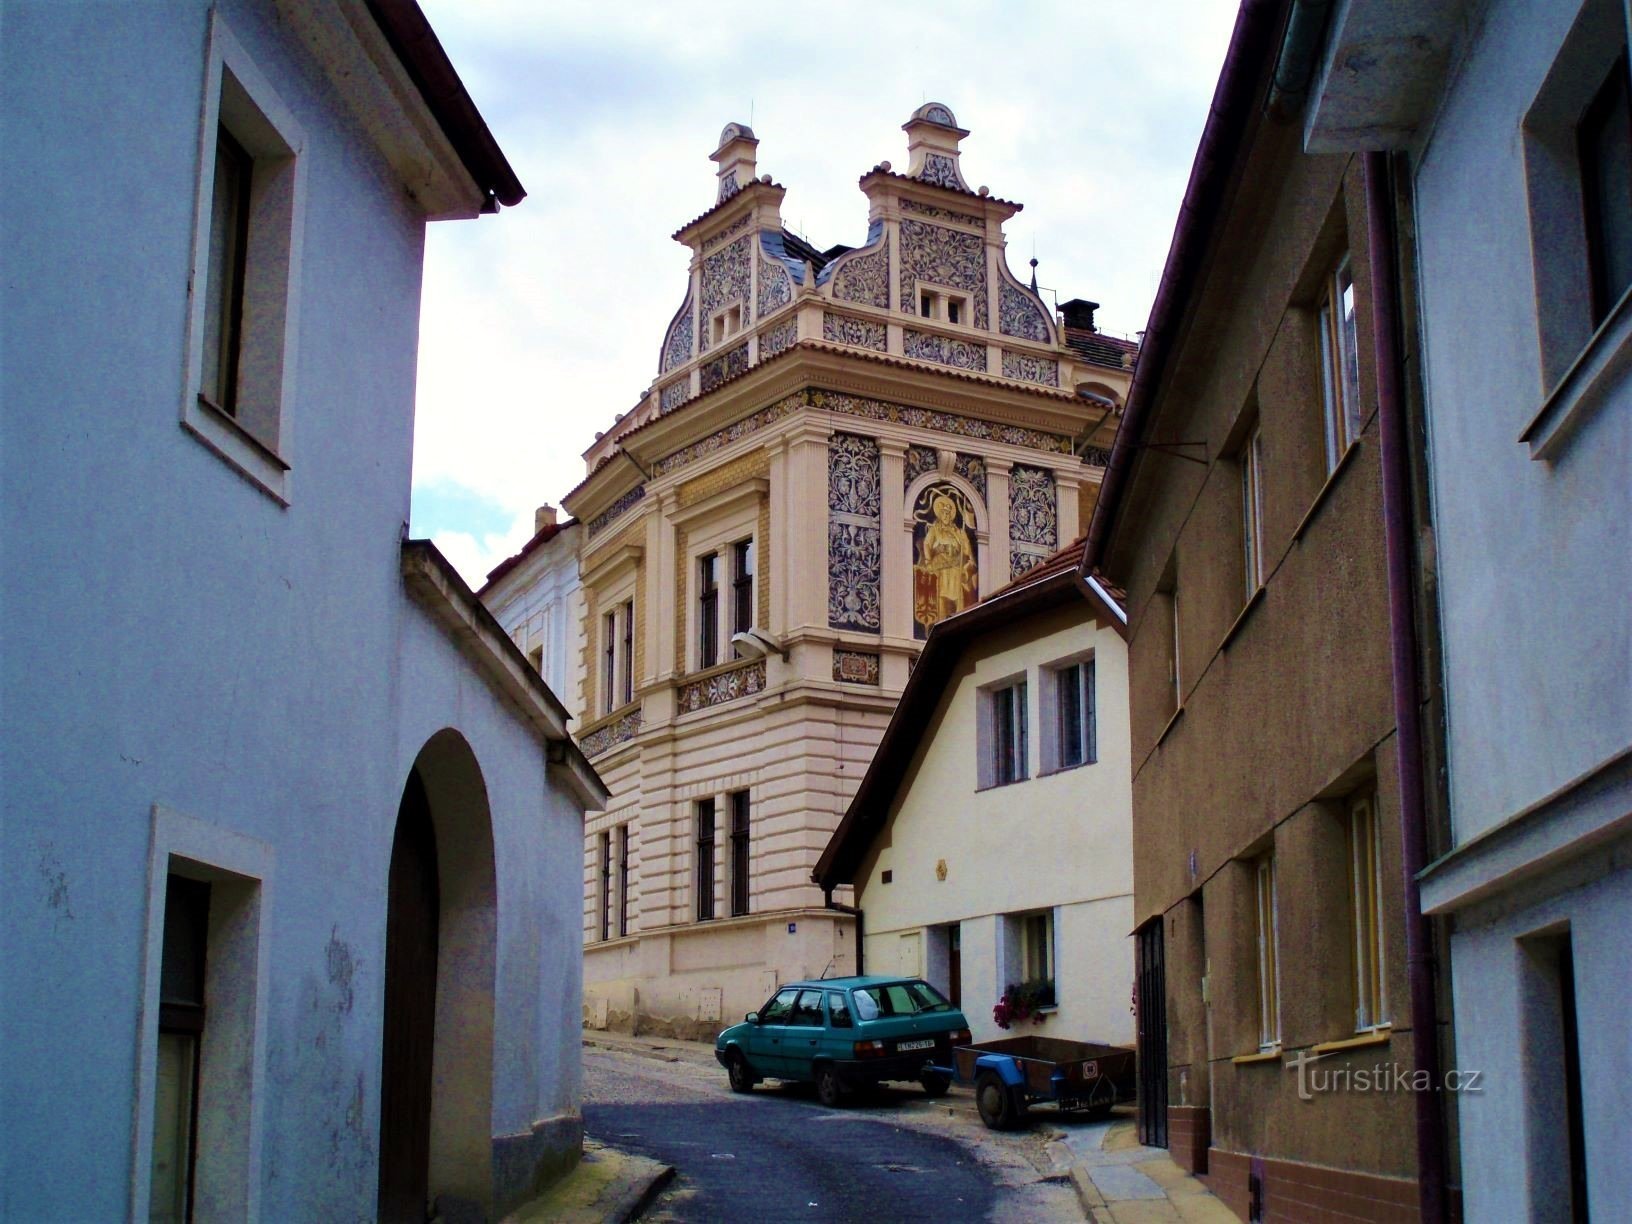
(1034, 274)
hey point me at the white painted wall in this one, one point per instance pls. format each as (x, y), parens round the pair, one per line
(172, 636)
(1062, 841)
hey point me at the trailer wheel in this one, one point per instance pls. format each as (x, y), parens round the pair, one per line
(935, 1084)
(1000, 1106)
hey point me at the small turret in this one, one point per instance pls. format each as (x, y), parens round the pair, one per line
(735, 158)
(932, 146)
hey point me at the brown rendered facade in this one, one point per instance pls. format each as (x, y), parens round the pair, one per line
(1248, 531)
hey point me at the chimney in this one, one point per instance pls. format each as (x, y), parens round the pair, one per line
(932, 146)
(735, 158)
(1079, 314)
(543, 517)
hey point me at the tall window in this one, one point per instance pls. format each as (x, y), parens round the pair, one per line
(1007, 761)
(742, 588)
(1339, 363)
(224, 278)
(1037, 946)
(181, 1030)
(1252, 510)
(609, 662)
(739, 853)
(1365, 893)
(705, 859)
(708, 610)
(626, 665)
(1604, 142)
(1269, 1006)
(1074, 715)
(623, 880)
(604, 910)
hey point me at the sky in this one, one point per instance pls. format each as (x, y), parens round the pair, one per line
(541, 324)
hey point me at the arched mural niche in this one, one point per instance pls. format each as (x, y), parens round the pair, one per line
(945, 555)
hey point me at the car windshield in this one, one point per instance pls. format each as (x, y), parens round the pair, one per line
(898, 999)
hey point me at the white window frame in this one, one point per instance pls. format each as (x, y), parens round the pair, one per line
(1338, 317)
(994, 767)
(1051, 713)
(257, 437)
(1252, 510)
(1366, 911)
(1266, 926)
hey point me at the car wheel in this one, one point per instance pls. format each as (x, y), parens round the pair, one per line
(996, 1102)
(739, 1073)
(828, 1089)
(935, 1084)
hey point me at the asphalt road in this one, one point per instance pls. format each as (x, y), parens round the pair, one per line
(778, 1154)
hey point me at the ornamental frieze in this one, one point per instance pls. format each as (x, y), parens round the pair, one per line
(864, 277)
(855, 666)
(943, 214)
(1020, 314)
(673, 395)
(724, 368)
(773, 340)
(941, 256)
(616, 510)
(943, 350)
(775, 286)
(610, 736)
(847, 329)
(721, 687)
(855, 550)
(1028, 367)
(1034, 527)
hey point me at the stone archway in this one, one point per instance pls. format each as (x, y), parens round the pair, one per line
(436, 1091)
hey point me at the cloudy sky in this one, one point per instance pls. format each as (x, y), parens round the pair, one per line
(540, 324)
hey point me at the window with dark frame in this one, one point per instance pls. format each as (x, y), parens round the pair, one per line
(742, 589)
(708, 610)
(1267, 938)
(181, 1031)
(1365, 899)
(1074, 705)
(626, 665)
(224, 274)
(606, 884)
(609, 662)
(623, 880)
(739, 853)
(705, 859)
(1009, 734)
(1339, 363)
(1604, 146)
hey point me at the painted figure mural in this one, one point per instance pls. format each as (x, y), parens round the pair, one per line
(944, 571)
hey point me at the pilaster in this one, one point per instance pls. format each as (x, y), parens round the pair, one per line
(997, 511)
(896, 545)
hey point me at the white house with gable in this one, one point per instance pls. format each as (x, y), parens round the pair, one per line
(291, 831)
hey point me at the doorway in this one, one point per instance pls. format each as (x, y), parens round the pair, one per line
(1152, 1054)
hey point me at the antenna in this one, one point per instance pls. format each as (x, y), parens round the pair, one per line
(830, 963)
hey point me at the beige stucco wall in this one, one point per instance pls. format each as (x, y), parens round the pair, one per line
(1059, 842)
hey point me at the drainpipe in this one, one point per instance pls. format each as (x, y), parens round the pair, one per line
(827, 896)
(1397, 543)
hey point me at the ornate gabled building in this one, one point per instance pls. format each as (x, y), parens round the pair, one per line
(840, 448)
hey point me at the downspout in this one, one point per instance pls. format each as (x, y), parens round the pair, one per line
(827, 897)
(1397, 543)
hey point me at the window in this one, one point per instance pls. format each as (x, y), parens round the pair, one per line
(742, 589)
(1604, 141)
(726, 323)
(245, 269)
(807, 1009)
(536, 658)
(1074, 731)
(739, 853)
(1252, 511)
(1365, 893)
(605, 907)
(618, 657)
(1003, 728)
(609, 652)
(838, 1011)
(623, 880)
(944, 305)
(1339, 363)
(626, 665)
(1269, 1008)
(705, 859)
(780, 1007)
(181, 1032)
(1037, 946)
(708, 610)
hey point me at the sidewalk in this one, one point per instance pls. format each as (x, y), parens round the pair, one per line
(606, 1185)
(1120, 1181)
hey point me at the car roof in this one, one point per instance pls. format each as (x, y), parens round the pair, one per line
(850, 983)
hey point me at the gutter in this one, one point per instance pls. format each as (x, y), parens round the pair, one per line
(1210, 174)
(1382, 259)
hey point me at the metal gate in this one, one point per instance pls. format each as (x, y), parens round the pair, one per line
(1152, 1004)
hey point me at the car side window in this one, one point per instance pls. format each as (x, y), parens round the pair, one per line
(866, 1005)
(778, 1009)
(838, 1012)
(808, 1009)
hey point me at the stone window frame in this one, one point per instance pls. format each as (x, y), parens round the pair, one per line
(716, 525)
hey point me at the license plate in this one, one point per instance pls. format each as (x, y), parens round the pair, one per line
(916, 1045)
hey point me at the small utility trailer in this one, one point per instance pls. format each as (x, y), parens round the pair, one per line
(1016, 1072)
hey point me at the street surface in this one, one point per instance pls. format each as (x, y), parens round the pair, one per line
(779, 1154)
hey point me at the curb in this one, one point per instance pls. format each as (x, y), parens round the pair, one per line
(633, 1205)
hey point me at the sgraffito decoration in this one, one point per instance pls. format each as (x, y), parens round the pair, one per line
(973, 469)
(945, 565)
(855, 666)
(942, 171)
(944, 350)
(1034, 522)
(610, 736)
(847, 329)
(775, 286)
(774, 339)
(943, 214)
(1020, 314)
(741, 681)
(1030, 368)
(728, 187)
(724, 367)
(677, 344)
(941, 256)
(727, 278)
(854, 540)
(864, 276)
(920, 459)
(673, 395)
(616, 510)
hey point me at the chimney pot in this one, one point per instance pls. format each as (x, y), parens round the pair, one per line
(543, 517)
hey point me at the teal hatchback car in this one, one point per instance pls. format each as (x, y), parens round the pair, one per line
(843, 1033)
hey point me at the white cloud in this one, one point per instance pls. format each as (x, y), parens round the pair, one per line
(540, 324)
